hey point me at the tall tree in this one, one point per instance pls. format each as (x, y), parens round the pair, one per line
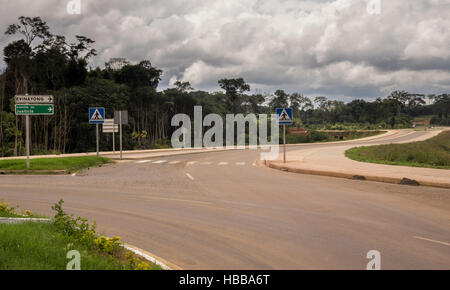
(234, 89)
(280, 99)
(399, 99)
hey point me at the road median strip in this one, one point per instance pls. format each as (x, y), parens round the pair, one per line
(385, 179)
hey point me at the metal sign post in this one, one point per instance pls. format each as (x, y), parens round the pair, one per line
(27, 139)
(284, 117)
(120, 124)
(98, 149)
(284, 143)
(121, 118)
(27, 105)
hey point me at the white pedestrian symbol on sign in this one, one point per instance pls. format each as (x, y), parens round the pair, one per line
(96, 116)
(284, 116)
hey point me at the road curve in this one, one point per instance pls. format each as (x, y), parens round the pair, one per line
(218, 211)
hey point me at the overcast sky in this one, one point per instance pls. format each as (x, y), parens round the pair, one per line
(342, 49)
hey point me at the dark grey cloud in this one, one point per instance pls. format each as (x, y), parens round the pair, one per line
(335, 48)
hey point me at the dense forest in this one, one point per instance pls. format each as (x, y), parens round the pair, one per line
(39, 62)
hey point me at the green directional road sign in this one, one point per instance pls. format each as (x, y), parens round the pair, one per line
(44, 109)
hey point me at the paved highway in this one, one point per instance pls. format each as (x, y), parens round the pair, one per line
(218, 210)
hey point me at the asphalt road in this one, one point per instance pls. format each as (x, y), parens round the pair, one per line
(218, 210)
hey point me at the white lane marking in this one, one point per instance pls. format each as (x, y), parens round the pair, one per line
(240, 163)
(191, 162)
(174, 162)
(223, 163)
(189, 176)
(160, 161)
(74, 174)
(433, 241)
(143, 161)
(206, 163)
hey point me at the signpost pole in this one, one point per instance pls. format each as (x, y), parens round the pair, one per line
(120, 124)
(27, 139)
(96, 127)
(284, 143)
(114, 139)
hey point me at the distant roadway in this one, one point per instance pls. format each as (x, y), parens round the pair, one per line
(218, 210)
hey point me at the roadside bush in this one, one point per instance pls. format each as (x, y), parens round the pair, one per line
(108, 245)
(79, 229)
(5, 209)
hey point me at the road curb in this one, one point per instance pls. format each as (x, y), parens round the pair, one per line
(152, 258)
(385, 179)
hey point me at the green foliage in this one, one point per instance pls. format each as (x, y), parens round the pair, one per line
(6, 210)
(108, 245)
(434, 153)
(41, 246)
(70, 164)
(77, 228)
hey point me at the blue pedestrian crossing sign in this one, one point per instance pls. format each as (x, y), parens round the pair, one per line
(96, 115)
(284, 116)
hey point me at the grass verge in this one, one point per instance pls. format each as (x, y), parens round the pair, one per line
(432, 153)
(32, 245)
(69, 164)
(46, 245)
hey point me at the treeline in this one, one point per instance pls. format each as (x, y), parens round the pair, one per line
(40, 62)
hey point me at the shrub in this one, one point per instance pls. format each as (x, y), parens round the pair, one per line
(77, 228)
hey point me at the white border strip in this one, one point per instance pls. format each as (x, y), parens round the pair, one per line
(19, 220)
(147, 257)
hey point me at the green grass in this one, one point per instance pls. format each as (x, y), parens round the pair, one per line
(432, 153)
(10, 215)
(45, 245)
(70, 164)
(40, 246)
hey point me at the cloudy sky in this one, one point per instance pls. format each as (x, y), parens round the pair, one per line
(342, 49)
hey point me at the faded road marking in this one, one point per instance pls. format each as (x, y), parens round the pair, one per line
(240, 163)
(174, 162)
(433, 241)
(143, 161)
(223, 163)
(189, 176)
(160, 161)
